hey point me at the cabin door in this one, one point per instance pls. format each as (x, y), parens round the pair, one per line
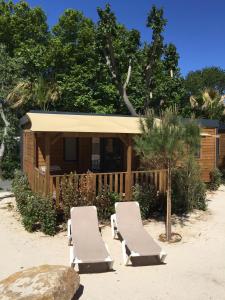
(111, 157)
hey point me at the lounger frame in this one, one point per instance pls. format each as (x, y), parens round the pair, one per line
(126, 252)
(73, 260)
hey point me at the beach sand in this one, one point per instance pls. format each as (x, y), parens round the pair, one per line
(194, 268)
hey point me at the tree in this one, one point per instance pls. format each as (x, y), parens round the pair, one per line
(165, 142)
(210, 104)
(212, 78)
(76, 62)
(164, 86)
(10, 71)
(205, 91)
(154, 51)
(118, 59)
(22, 25)
(41, 93)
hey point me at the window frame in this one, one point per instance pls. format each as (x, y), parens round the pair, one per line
(199, 154)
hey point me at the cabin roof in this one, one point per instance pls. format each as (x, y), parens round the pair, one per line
(72, 122)
(39, 121)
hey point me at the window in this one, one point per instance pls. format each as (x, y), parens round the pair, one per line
(217, 147)
(198, 152)
(95, 156)
(70, 149)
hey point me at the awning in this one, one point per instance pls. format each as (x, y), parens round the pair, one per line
(84, 123)
(68, 122)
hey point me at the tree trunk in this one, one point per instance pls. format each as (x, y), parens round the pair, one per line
(168, 205)
(2, 146)
(128, 103)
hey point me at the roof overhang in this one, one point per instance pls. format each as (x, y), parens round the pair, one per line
(88, 123)
(83, 123)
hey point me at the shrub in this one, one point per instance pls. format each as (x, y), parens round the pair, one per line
(223, 176)
(76, 192)
(147, 198)
(105, 203)
(188, 190)
(79, 191)
(11, 160)
(215, 179)
(36, 211)
(21, 189)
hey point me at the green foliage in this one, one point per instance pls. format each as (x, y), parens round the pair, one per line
(11, 157)
(208, 78)
(166, 140)
(204, 91)
(37, 212)
(188, 190)
(146, 196)
(215, 179)
(76, 191)
(105, 203)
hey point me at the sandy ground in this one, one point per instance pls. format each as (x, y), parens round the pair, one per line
(194, 269)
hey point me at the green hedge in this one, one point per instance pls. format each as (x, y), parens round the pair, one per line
(149, 201)
(37, 212)
(80, 193)
(188, 190)
(215, 179)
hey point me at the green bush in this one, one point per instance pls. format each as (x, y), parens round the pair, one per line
(147, 198)
(11, 160)
(37, 212)
(188, 190)
(223, 176)
(21, 190)
(215, 179)
(80, 192)
(76, 192)
(105, 203)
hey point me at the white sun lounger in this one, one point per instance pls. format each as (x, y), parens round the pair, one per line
(127, 223)
(85, 241)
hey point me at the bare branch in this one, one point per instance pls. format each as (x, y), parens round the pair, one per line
(128, 76)
(2, 147)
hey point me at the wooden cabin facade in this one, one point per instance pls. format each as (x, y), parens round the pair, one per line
(54, 144)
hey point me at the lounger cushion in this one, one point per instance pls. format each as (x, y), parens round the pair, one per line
(129, 225)
(88, 244)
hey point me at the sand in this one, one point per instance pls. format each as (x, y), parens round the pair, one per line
(194, 269)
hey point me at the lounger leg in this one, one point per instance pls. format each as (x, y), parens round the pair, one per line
(126, 258)
(162, 256)
(69, 232)
(113, 226)
(110, 265)
(72, 264)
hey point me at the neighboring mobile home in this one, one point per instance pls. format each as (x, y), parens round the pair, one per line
(54, 144)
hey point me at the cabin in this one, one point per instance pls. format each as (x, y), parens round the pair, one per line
(221, 146)
(56, 143)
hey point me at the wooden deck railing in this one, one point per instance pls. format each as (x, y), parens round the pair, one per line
(39, 183)
(114, 182)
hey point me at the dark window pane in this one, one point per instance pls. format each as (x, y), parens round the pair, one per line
(70, 149)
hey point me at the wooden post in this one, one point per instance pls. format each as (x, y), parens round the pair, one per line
(34, 160)
(47, 163)
(128, 183)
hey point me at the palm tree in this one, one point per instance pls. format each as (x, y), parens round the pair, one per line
(210, 103)
(165, 142)
(42, 93)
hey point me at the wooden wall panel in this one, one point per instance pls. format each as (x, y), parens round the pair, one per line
(82, 165)
(28, 154)
(40, 150)
(207, 159)
(221, 161)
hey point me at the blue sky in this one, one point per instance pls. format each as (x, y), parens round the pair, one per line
(196, 27)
